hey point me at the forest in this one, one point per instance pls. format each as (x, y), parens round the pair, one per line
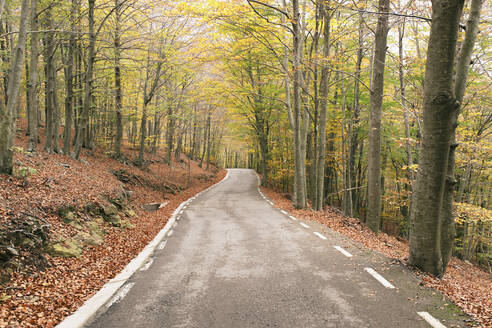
(378, 109)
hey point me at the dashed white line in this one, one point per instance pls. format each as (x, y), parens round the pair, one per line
(147, 265)
(320, 235)
(431, 320)
(343, 251)
(284, 212)
(269, 202)
(304, 225)
(170, 232)
(379, 278)
(181, 212)
(121, 294)
(177, 218)
(162, 245)
(293, 218)
(175, 224)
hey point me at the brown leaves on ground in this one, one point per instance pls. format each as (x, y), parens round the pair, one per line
(44, 298)
(465, 284)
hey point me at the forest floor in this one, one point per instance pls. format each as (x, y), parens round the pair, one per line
(90, 208)
(464, 284)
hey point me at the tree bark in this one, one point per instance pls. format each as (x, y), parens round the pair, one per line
(32, 107)
(117, 82)
(374, 156)
(84, 121)
(320, 165)
(447, 219)
(300, 201)
(440, 106)
(8, 117)
(69, 82)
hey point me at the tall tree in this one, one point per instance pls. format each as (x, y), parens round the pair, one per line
(320, 165)
(440, 106)
(462, 69)
(32, 104)
(374, 156)
(9, 114)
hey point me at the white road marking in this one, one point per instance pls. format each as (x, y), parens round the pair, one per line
(284, 212)
(320, 235)
(179, 217)
(269, 202)
(175, 224)
(170, 232)
(162, 245)
(343, 251)
(379, 278)
(121, 294)
(181, 212)
(304, 225)
(293, 218)
(431, 320)
(147, 265)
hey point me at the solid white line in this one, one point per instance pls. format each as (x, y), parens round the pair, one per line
(304, 225)
(284, 212)
(320, 235)
(293, 218)
(162, 245)
(121, 294)
(343, 251)
(147, 265)
(431, 320)
(170, 232)
(379, 278)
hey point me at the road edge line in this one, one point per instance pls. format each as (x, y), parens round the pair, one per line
(91, 307)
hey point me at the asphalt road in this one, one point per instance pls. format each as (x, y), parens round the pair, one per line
(234, 260)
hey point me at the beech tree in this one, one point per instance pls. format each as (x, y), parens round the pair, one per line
(440, 107)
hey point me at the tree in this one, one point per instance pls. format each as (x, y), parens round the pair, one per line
(8, 115)
(374, 153)
(440, 106)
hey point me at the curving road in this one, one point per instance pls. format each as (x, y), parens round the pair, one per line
(234, 260)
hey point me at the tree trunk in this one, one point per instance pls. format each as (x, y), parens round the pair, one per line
(300, 200)
(84, 121)
(117, 83)
(32, 107)
(464, 60)
(374, 155)
(8, 117)
(69, 81)
(320, 165)
(440, 106)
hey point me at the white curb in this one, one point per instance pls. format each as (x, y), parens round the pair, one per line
(91, 307)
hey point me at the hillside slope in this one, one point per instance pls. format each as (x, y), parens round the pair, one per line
(67, 226)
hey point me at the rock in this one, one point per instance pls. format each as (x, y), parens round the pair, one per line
(125, 224)
(12, 251)
(151, 207)
(28, 243)
(130, 212)
(67, 214)
(89, 239)
(114, 220)
(110, 210)
(67, 248)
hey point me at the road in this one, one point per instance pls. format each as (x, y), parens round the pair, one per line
(234, 260)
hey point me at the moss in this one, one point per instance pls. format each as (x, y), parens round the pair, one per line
(125, 224)
(66, 248)
(89, 238)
